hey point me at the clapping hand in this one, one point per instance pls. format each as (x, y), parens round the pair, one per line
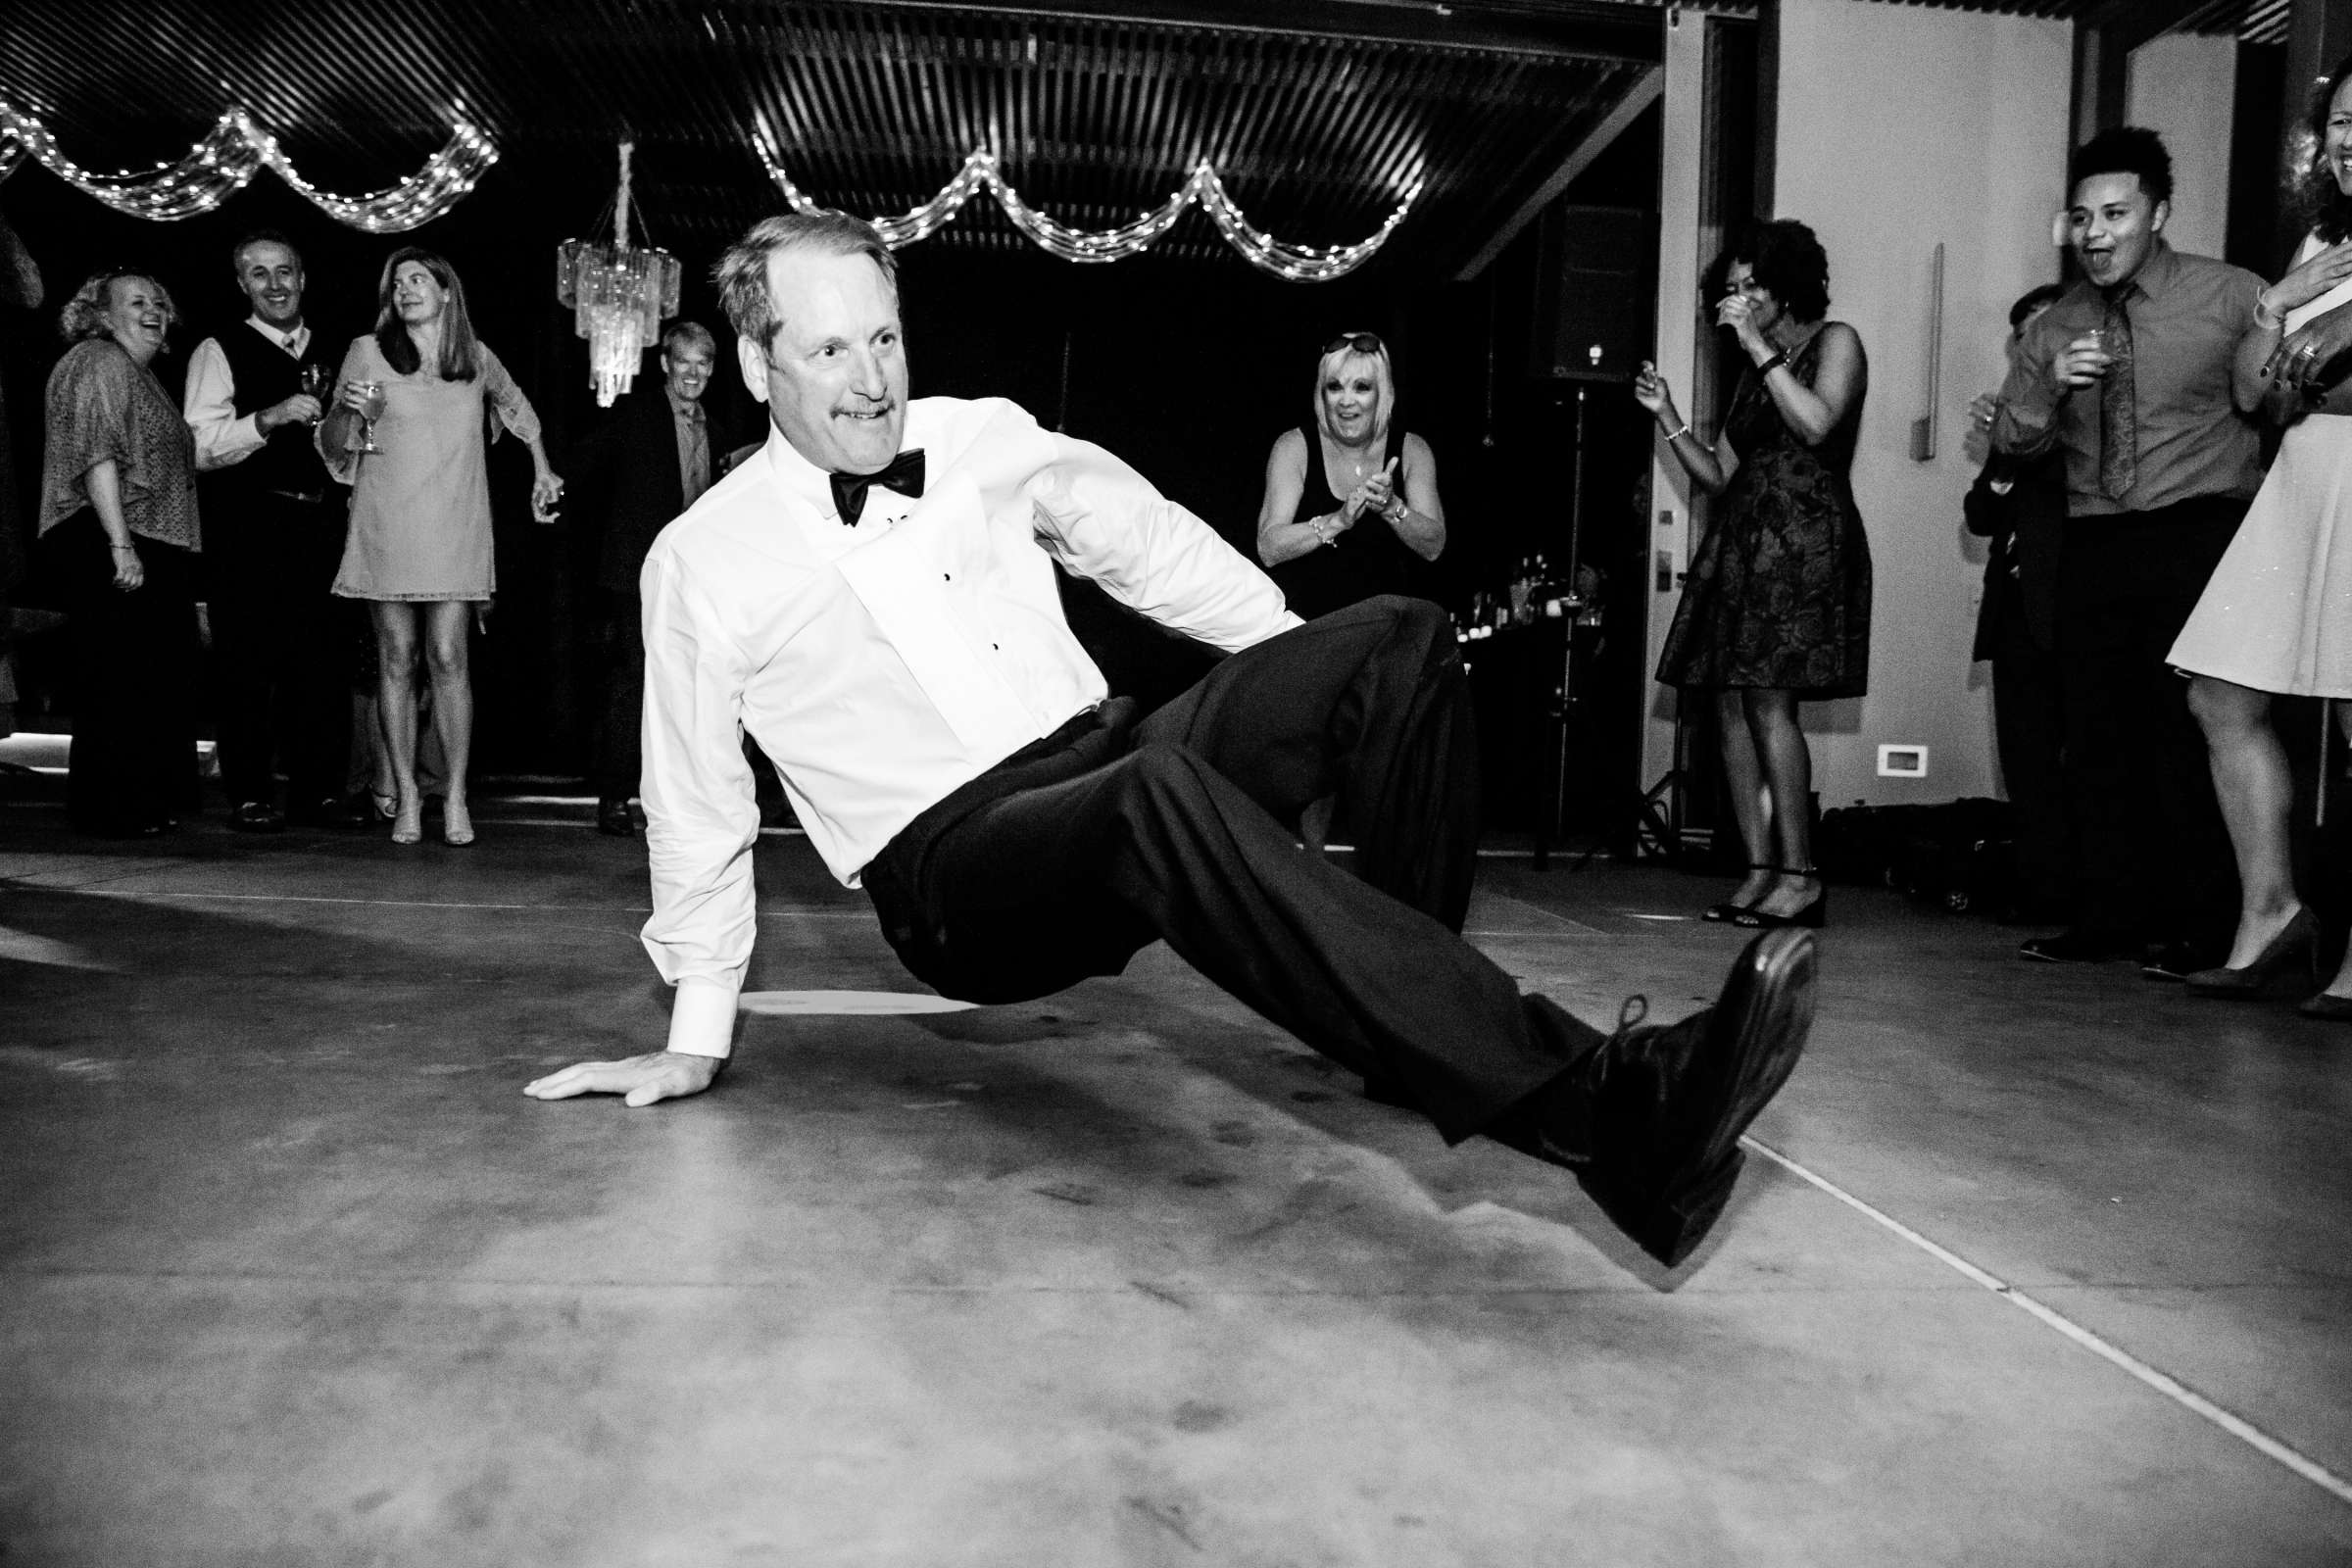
(2300, 355)
(1375, 493)
(2312, 279)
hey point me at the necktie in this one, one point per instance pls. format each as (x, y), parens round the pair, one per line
(905, 475)
(695, 474)
(2119, 432)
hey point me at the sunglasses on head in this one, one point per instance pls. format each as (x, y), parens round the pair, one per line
(1361, 342)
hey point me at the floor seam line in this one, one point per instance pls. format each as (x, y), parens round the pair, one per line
(2162, 1382)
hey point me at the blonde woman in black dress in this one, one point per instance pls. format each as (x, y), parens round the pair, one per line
(1350, 507)
(1777, 609)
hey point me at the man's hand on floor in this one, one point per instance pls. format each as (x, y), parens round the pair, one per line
(658, 1075)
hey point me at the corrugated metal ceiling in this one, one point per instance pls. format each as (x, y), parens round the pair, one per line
(1318, 129)
(1319, 112)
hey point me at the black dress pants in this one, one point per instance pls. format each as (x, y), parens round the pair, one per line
(1069, 856)
(277, 643)
(621, 656)
(2155, 855)
(133, 766)
(2028, 727)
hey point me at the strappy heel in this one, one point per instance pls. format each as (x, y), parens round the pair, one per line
(1812, 916)
(1729, 910)
(407, 824)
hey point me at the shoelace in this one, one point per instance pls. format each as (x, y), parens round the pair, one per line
(1634, 1009)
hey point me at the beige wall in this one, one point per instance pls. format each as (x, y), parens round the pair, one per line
(2182, 87)
(1901, 127)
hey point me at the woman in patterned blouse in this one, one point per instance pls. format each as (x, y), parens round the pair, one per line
(119, 522)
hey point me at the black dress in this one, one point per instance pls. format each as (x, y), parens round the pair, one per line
(1365, 560)
(1778, 594)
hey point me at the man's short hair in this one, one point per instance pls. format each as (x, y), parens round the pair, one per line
(742, 273)
(694, 334)
(2123, 150)
(260, 237)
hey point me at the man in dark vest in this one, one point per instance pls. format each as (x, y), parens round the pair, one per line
(274, 538)
(649, 461)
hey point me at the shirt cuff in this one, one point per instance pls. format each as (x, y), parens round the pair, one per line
(702, 1019)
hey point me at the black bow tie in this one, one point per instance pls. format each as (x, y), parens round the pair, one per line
(905, 475)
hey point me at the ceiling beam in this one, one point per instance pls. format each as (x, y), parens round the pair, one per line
(1645, 91)
(1574, 29)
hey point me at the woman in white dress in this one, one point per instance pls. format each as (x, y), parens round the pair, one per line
(2276, 616)
(421, 399)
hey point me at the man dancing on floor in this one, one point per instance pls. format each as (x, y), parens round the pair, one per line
(885, 624)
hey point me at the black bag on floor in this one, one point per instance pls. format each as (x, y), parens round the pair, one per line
(1960, 855)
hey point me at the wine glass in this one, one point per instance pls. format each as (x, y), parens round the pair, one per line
(371, 409)
(315, 380)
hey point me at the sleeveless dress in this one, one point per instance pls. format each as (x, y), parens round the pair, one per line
(1779, 593)
(2276, 613)
(1366, 560)
(420, 508)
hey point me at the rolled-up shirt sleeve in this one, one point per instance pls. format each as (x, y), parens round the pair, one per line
(222, 436)
(1105, 522)
(701, 813)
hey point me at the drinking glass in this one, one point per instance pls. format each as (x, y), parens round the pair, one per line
(315, 381)
(371, 409)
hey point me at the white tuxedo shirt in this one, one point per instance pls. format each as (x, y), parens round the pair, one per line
(882, 666)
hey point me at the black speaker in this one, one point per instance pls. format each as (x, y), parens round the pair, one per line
(1594, 291)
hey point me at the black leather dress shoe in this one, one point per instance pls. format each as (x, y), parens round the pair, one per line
(2081, 945)
(256, 816)
(612, 817)
(1664, 1105)
(335, 811)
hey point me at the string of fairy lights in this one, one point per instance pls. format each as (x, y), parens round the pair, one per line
(227, 158)
(236, 149)
(1303, 263)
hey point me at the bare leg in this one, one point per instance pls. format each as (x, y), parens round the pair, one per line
(1788, 768)
(396, 708)
(1752, 805)
(2341, 985)
(2257, 792)
(445, 657)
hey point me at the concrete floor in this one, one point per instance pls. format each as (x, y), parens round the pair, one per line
(291, 1272)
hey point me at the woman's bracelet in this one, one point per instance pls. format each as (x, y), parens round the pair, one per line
(1672, 436)
(1779, 359)
(126, 545)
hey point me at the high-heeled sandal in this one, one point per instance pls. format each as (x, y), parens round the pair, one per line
(2299, 938)
(1814, 914)
(1731, 908)
(407, 824)
(387, 807)
(456, 825)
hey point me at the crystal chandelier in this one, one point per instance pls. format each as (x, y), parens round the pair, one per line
(619, 294)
